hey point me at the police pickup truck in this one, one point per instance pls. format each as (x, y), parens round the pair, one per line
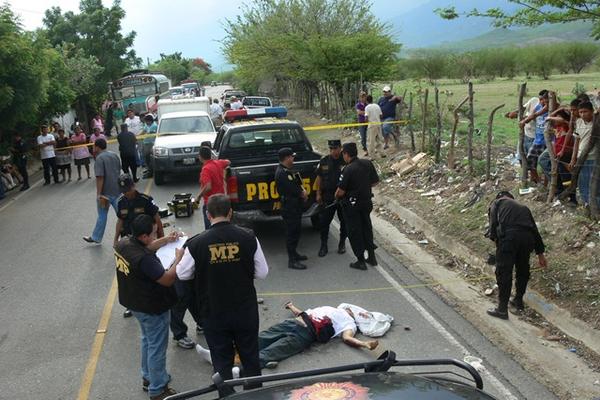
(250, 139)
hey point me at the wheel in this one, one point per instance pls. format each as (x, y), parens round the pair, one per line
(159, 178)
(314, 221)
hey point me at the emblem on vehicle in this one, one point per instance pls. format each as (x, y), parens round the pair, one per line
(187, 150)
(331, 391)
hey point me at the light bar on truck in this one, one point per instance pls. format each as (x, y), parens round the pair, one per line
(245, 114)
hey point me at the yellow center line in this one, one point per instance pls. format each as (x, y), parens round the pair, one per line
(92, 363)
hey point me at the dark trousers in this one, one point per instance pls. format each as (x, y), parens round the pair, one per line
(185, 301)
(513, 250)
(363, 136)
(292, 217)
(326, 216)
(128, 162)
(360, 230)
(21, 164)
(237, 328)
(49, 164)
(205, 216)
(283, 340)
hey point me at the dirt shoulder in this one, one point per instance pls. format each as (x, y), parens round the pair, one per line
(455, 205)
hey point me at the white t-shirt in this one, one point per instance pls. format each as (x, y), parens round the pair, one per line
(340, 318)
(237, 105)
(46, 151)
(373, 112)
(583, 132)
(529, 110)
(134, 125)
(215, 110)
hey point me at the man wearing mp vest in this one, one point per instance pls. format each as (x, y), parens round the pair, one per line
(224, 261)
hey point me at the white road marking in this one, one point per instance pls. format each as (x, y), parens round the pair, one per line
(503, 390)
(17, 197)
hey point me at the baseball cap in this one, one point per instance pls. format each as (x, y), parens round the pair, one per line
(350, 148)
(285, 152)
(125, 182)
(387, 88)
(334, 143)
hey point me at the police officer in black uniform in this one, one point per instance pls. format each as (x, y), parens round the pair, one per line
(131, 204)
(354, 191)
(516, 235)
(293, 196)
(227, 259)
(146, 288)
(328, 176)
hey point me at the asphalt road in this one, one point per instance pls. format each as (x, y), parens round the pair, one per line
(55, 289)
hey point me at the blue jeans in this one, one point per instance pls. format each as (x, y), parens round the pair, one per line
(583, 182)
(387, 128)
(283, 340)
(363, 136)
(527, 142)
(155, 338)
(98, 233)
(545, 163)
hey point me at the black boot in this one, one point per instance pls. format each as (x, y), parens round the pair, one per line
(323, 250)
(359, 264)
(295, 264)
(342, 246)
(495, 312)
(371, 260)
(300, 257)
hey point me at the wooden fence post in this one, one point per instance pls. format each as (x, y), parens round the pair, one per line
(520, 113)
(410, 127)
(424, 120)
(550, 148)
(488, 165)
(438, 133)
(453, 135)
(471, 128)
(594, 181)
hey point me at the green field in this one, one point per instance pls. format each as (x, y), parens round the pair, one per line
(491, 94)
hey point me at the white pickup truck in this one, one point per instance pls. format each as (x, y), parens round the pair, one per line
(183, 126)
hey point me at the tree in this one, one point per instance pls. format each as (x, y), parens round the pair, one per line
(174, 66)
(96, 30)
(537, 12)
(539, 60)
(24, 75)
(577, 56)
(430, 64)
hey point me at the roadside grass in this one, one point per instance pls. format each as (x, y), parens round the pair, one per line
(487, 96)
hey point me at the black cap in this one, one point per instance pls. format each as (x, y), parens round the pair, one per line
(285, 152)
(333, 143)
(505, 193)
(350, 149)
(125, 182)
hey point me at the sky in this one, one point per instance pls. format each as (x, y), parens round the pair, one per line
(193, 27)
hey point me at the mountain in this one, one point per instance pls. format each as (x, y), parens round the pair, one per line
(421, 27)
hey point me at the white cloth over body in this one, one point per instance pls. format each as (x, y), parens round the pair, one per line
(370, 323)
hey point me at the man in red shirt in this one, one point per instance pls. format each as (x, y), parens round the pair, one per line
(212, 179)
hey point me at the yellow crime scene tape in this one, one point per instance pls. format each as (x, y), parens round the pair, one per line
(307, 128)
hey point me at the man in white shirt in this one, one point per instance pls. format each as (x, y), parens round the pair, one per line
(583, 135)
(216, 112)
(529, 128)
(134, 124)
(46, 143)
(236, 104)
(374, 136)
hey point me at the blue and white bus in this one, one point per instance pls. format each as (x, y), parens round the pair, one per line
(136, 89)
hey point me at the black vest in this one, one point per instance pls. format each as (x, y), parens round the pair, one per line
(136, 291)
(224, 263)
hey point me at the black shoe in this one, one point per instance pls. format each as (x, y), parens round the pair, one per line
(341, 248)
(199, 330)
(24, 188)
(89, 239)
(300, 257)
(296, 265)
(371, 260)
(494, 312)
(517, 304)
(127, 313)
(46, 183)
(323, 250)
(359, 264)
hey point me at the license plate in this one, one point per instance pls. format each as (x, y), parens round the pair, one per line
(189, 161)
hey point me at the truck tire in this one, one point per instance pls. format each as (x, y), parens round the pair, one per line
(314, 221)
(159, 178)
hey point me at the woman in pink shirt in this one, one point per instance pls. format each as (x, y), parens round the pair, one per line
(80, 154)
(97, 123)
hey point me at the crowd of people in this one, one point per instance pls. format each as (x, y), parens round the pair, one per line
(571, 132)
